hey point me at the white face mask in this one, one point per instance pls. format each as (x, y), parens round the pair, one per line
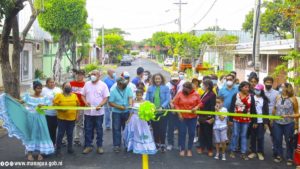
(181, 77)
(229, 83)
(93, 78)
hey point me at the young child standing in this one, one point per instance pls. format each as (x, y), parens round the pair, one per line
(137, 134)
(220, 129)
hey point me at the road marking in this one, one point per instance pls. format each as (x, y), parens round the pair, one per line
(145, 161)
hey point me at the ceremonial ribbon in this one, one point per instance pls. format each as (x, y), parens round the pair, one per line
(147, 112)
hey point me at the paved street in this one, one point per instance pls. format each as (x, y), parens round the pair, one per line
(12, 150)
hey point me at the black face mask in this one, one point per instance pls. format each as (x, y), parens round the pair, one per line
(68, 90)
(268, 87)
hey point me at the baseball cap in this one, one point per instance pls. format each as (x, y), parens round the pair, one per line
(121, 80)
(259, 87)
(175, 76)
(125, 74)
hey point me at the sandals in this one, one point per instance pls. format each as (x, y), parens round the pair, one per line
(182, 153)
(30, 157)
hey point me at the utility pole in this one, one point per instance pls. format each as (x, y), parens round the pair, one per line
(256, 36)
(179, 18)
(102, 48)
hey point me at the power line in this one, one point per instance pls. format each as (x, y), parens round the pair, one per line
(152, 26)
(195, 24)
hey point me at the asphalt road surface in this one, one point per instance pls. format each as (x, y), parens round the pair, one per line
(11, 149)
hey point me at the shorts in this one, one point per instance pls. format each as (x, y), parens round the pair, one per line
(220, 135)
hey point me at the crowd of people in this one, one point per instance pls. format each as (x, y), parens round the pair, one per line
(116, 101)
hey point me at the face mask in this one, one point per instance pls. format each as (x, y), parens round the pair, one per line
(215, 82)
(268, 87)
(93, 78)
(181, 77)
(67, 90)
(257, 92)
(280, 90)
(229, 83)
(114, 75)
(145, 77)
(203, 87)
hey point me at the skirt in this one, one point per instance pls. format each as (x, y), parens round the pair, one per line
(138, 137)
(39, 139)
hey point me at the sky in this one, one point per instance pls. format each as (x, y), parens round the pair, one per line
(141, 18)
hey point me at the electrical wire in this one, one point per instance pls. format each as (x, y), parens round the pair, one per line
(207, 12)
(152, 26)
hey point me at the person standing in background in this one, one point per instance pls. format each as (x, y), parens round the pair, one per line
(139, 77)
(110, 80)
(49, 91)
(77, 87)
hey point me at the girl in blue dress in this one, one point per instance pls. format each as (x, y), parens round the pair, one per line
(137, 134)
(39, 140)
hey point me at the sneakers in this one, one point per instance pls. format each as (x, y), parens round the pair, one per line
(244, 157)
(169, 147)
(223, 157)
(232, 154)
(277, 159)
(217, 156)
(87, 150)
(195, 140)
(100, 150)
(163, 148)
(289, 162)
(117, 149)
(260, 156)
(252, 155)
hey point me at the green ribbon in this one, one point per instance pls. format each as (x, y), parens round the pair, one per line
(147, 111)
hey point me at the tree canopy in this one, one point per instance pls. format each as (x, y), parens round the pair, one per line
(273, 20)
(63, 15)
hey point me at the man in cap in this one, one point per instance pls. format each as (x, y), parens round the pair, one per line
(175, 85)
(120, 100)
(125, 75)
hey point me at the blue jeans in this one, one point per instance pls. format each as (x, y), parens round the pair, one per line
(107, 117)
(172, 125)
(239, 131)
(90, 124)
(187, 125)
(287, 131)
(65, 126)
(257, 138)
(119, 121)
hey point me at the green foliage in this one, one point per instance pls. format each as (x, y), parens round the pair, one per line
(39, 74)
(5, 8)
(90, 67)
(134, 53)
(63, 15)
(292, 56)
(272, 21)
(114, 44)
